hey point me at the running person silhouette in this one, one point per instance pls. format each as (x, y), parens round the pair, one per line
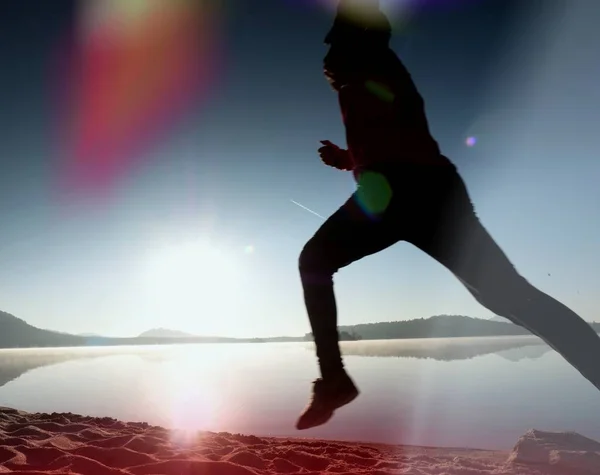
(407, 191)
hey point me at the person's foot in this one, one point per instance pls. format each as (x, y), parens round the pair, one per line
(328, 395)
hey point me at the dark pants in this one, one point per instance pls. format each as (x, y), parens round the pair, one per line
(431, 209)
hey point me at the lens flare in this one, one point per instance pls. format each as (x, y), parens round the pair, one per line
(131, 71)
(374, 194)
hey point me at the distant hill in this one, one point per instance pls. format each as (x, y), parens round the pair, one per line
(16, 333)
(499, 319)
(165, 333)
(440, 326)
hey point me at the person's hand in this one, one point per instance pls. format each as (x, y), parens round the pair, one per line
(334, 156)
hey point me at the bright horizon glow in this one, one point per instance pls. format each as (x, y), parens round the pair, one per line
(189, 281)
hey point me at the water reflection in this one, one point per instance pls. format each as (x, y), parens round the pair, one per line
(532, 352)
(447, 392)
(14, 363)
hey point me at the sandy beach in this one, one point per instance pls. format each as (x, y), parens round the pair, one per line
(74, 444)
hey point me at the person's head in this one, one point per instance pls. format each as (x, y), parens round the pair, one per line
(358, 35)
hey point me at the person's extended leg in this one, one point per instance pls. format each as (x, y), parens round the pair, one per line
(462, 244)
(347, 236)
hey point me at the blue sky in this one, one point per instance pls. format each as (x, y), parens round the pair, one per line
(203, 236)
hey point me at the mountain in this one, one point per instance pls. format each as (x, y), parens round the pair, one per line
(16, 333)
(165, 333)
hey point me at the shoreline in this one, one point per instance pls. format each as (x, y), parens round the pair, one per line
(190, 341)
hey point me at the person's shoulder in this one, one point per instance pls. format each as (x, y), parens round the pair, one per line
(353, 89)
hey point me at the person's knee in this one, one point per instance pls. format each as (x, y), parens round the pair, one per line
(314, 262)
(311, 257)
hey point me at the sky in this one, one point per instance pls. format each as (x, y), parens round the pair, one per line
(193, 225)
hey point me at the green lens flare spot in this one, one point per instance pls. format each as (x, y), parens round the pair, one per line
(380, 90)
(374, 192)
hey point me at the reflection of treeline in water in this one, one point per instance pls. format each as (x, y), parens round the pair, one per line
(449, 349)
(14, 363)
(343, 336)
(441, 326)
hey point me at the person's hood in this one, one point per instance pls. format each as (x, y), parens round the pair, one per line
(357, 20)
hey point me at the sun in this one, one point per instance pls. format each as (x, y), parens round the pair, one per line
(192, 283)
(193, 264)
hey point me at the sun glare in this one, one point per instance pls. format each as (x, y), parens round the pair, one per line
(193, 283)
(193, 263)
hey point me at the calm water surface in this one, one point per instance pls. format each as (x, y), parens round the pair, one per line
(471, 392)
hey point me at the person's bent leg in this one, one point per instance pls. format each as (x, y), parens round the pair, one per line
(347, 236)
(465, 247)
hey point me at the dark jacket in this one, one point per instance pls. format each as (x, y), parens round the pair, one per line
(384, 117)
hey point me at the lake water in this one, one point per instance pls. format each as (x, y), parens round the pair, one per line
(464, 392)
